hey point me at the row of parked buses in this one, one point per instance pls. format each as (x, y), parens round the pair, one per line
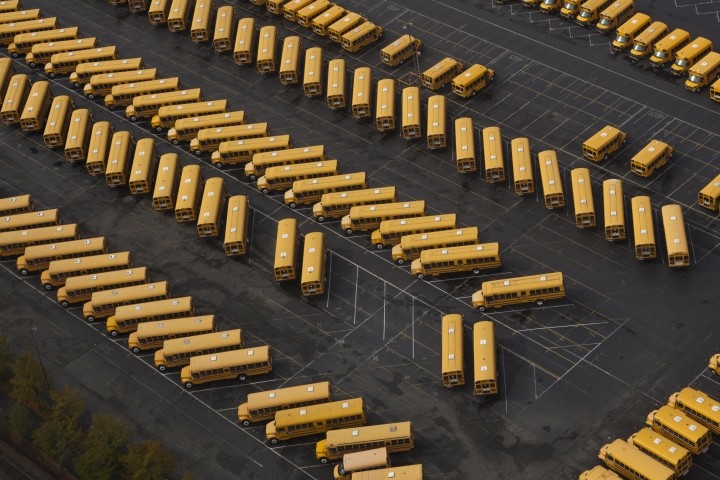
(663, 450)
(642, 38)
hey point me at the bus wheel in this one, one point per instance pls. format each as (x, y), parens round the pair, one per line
(379, 246)
(64, 304)
(539, 301)
(112, 107)
(400, 261)
(198, 153)
(90, 319)
(133, 118)
(252, 178)
(420, 276)
(51, 74)
(273, 441)
(162, 368)
(91, 96)
(114, 333)
(265, 191)
(480, 308)
(320, 218)
(176, 142)
(135, 350)
(47, 286)
(76, 84)
(24, 271)
(476, 271)
(219, 164)
(323, 460)
(33, 64)
(242, 377)
(188, 385)
(293, 205)
(246, 423)
(15, 55)
(159, 129)
(349, 231)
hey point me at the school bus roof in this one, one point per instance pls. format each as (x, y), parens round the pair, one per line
(230, 358)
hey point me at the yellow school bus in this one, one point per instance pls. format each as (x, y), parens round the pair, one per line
(344, 25)
(322, 22)
(523, 180)
(697, 405)
(67, 62)
(81, 289)
(23, 43)
(675, 238)
(467, 258)
(58, 122)
(583, 198)
(590, 11)
(703, 72)
(282, 178)
(237, 225)
(151, 335)
(472, 80)
(84, 71)
(188, 197)
(13, 16)
(287, 247)
(614, 15)
(144, 164)
(119, 159)
(209, 139)
(201, 21)
(123, 95)
(550, 6)
(465, 157)
(715, 91)
(364, 34)
(653, 156)
(211, 207)
(262, 406)
(709, 196)
(158, 11)
(714, 364)
(188, 128)
(628, 31)
(266, 49)
(127, 317)
(179, 15)
(411, 246)
(306, 14)
(169, 114)
(137, 6)
(23, 221)
(335, 96)
(667, 47)
(570, 8)
(605, 142)
(102, 84)
(60, 270)
(662, 449)
(453, 364)
(599, 472)
(395, 437)
(7, 71)
(690, 54)
(644, 43)
(677, 426)
(10, 5)
(230, 365)
(78, 136)
(362, 93)
(35, 112)
(391, 232)
(224, 29)
(177, 352)
(39, 257)
(242, 151)
(244, 49)
(441, 73)
(312, 274)
(8, 31)
(17, 92)
(436, 133)
(289, 60)
(313, 74)
(291, 8)
(400, 50)
(147, 106)
(411, 113)
(511, 291)
(311, 190)
(273, 6)
(484, 358)
(98, 147)
(315, 419)
(337, 205)
(632, 463)
(385, 105)
(106, 303)
(360, 462)
(368, 217)
(42, 53)
(614, 210)
(166, 183)
(643, 229)
(16, 204)
(493, 155)
(16, 241)
(290, 156)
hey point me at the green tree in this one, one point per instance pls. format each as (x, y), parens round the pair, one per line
(103, 448)
(60, 435)
(28, 385)
(148, 460)
(6, 362)
(21, 422)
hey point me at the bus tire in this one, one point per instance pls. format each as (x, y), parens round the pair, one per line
(476, 271)
(320, 218)
(242, 377)
(90, 319)
(253, 178)
(112, 107)
(292, 205)
(176, 142)
(32, 65)
(349, 231)
(64, 304)
(539, 301)
(379, 246)
(420, 276)
(24, 271)
(323, 460)
(159, 129)
(48, 286)
(133, 118)
(188, 385)
(246, 423)
(198, 153)
(162, 368)
(273, 441)
(219, 165)
(114, 333)
(51, 74)
(400, 261)
(135, 350)
(15, 54)
(265, 191)
(76, 84)
(91, 96)
(480, 308)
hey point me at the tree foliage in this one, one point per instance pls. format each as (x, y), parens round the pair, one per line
(60, 436)
(28, 385)
(103, 448)
(148, 460)
(20, 422)
(6, 362)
